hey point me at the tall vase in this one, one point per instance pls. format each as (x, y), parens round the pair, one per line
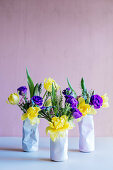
(30, 139)
(59, 148)
(86, 134)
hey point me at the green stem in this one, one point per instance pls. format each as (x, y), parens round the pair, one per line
(46, 116)
(25, 98)
(44, 94)
(22, 108)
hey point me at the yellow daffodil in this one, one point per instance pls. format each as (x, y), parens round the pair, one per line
(13, 99)
(58, 127)
(85, 108)
(105, 100)
(48, 103)
(48, 84)
(31, 114)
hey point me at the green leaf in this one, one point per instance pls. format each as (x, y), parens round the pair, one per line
(74, 93)
(30, 84)
(84, 91)
(36, 93)
(40, 88)
(83, 86)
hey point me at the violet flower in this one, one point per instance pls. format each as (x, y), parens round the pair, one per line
(22, 90)
(72, 101)
(76, 113)
(37, 100)
(96, 100)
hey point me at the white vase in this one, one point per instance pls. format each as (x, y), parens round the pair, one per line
(59, 149)
(30, 139)
(86, 134)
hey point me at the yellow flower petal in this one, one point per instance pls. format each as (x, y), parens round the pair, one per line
(81, 101)
(48, 84)
(85, 108)
(92, 111)
(32, 114)
(105, 101)
(13, 99)
(58, 127)
(24, 116)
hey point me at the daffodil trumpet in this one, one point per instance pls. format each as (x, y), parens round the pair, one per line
(58, 127)
(32, 115)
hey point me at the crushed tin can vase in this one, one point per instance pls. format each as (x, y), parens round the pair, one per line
(59, 148)
(86, 134)
(30, 139)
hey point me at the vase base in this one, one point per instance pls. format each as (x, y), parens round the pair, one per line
(86, 151)
(59, 160)
(30, 151)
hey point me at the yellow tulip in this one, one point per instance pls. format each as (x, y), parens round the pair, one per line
(85, 108)
(48, 84)
(13, 99)
(105, 100)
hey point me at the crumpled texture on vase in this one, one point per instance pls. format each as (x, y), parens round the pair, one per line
(30, 138)
(59, 148)
(86, 134)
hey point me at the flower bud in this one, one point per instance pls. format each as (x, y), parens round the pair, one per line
(13, 99)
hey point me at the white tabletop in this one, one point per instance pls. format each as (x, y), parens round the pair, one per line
(13, 158)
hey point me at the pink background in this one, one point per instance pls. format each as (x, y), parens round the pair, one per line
(57, 38)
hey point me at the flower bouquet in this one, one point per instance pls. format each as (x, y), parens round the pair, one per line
(83, 108)
(60, 121)
(30, 108)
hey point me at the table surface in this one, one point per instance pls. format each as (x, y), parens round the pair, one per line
(13, 158)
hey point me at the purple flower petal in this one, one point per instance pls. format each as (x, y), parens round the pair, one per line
(22, 90)
(97, 101)
(71, 100)
(37, 100)
(76, 113)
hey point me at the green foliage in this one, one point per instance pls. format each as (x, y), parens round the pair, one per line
(84, 91)
(30, 84)
(37, 89)
(47, 95)
(26, 106)
(57, 108)
(66, 109)
(40, 89)
(54, 100)
(45, 113)
(74, 93)
(83, 86)
(60, 100)
(36, 93)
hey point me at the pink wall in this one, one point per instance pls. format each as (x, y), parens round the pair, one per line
(57, 38)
